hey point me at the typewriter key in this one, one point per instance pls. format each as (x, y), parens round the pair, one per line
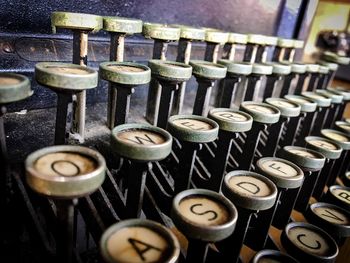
(162, 35)
(331, 218)
(187, 36)
(66, 80)
(288, 110)
(214, 39)
(230, 123)
(123, 77)
(311, 162)
(332, 68)
(261, 55)
(288, 178)
(230, 46)
(191, 131)
(81, 25)
(139, 241)
(313, 124)
(312, 70)
(282, 45)
(65, 173)
(118, 28)
(169, 75)
(308, 107)
(13, 87)
(307, 242)
(279, 71)
(250, 192)
(339, 195)
(331, 152)
(263, 115)
(203, 216)
(236, 73)
(333, 57)
(206, 74)
(269, 256)
(336, 101)
(342, 126)
(254, 80)
(253, 42)
(141, 144)
(342, 164)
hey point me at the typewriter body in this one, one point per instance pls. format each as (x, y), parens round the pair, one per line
(162, 131)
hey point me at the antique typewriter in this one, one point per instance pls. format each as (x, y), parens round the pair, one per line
(230, 151)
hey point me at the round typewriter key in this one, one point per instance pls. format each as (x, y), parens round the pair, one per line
(81, 25)
(203, 216)
(333, 57)
(214, 39)
(331, 152)
(339, 195)
(272, 256)
(14, 87)
(123, 77)
(263, 115)
(276, 79)
(162, 35)
(187, 36)
(118, 28)
(288, 110)
(254, 80)
(331, 218)
(308, 107)
(230, 123)
(342, 163)
(67, 80)
(286, 176)
(191, 131)
(236, 73)
(249, 192)
(65, 173)
(311, 162)
(206, 74)
(169, 76)
(139, 240)
(142, 144)
(307, 242)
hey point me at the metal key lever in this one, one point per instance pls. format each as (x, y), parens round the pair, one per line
(286, 176)
(141, 144)
(188, 217)
(279, 73)
(244, 189)
(65, 173)
(118, 28)
(82, 25)
(229, 50)
(214, 39)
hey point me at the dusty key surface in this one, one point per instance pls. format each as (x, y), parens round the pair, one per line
(137, 240)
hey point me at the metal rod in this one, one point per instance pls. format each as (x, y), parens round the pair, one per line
(270, 86)
(228, 87)
(166, 101)
(274, 136)
(123, 103)
(251, 87)
(116, 54)
(323, 178)
(63, 100)
(212, 52)
(286, 87)
(312, 82)
(306, 190)
(292, 129)
(201, 104)
(196, 251)
(300, 83)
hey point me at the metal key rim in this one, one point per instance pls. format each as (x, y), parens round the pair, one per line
(285, 111)
(196, 231)
(189, 135)
(345, 145)
(268, 118)
(283, 182)
(122, 24)
(254, 203)
(208, 70)
(335, 98)
(321, 100)
(306, 163)
(77, 185)
(307, 106)
(142, 153)
(236, 68)
(170, 70)
(125, 77)
(267, 253)
(156, 227)
(328, 153)
(294, 249)
(232, 126)
(160, 31)
(14, 92)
